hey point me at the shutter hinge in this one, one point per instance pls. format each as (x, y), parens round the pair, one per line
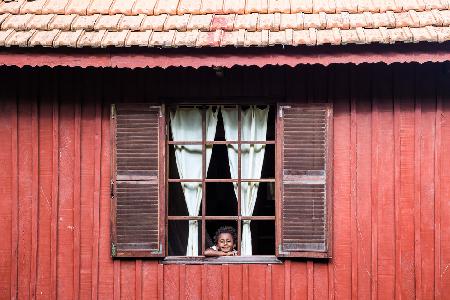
(112, 189)
(280, 250)
(158, 251)
(280, 112)
(113, 111)
(113, 250)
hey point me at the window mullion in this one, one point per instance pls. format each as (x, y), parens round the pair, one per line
(239, 225)
(203, 233)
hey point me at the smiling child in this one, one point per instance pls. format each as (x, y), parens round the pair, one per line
(225, 242)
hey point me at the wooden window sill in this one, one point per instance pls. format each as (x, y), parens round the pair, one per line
(257, 259)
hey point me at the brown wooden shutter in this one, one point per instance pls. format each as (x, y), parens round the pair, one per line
(137, 192)
(304, 212)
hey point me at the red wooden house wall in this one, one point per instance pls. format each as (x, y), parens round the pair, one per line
(391, 184)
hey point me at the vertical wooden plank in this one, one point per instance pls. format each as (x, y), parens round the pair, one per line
(127, 279)
(353, 181)
(278, 282)
(403, 93)
(55, 187)
(25, 182)
(310, 279)
(374, 187)
(76, 186)
(245, 282)
(116, 282)
(191, 288)
(105, 263)
(88, 181)
(225, 282)
(442, 187)
(296, 273)
(34, 183)
(138, 280)
(171, 282)
(65, 251)
(160, 281)
(362, 92)
(256, 281)
(384, 189)
(268, 282)
(150, 279)
(426, 131)
(235, 281)
(97, 99)
(342, 248)
(8, 161)
(45, 108)
(15, 194)
(213, 282)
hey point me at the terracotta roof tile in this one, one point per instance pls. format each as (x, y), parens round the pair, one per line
(122, 7)
(144, 7)
(138, 38)
(90, 39)
(62, 22)
(162, 39)
(108, 22)
(17, 22)
(99, 7)
(223, 22)
(19, 38)
(4, 34)
(55, 6)
(40, 22)
(200, 22)
(189, 7)
(34, 7)
(12, 7)
(186, 38)
(3, 18)
(154, 23)
(67, 39)
(248, 21)
(256, 6)
(305, 6)
(78, 7)
(166, 7)
(43, 38)
(209, 39)
(209, 7)
(176, 22)
(85, 22)
(281, 6)
(211, 23)
(131, 22)
(116, 39)
(233, 6)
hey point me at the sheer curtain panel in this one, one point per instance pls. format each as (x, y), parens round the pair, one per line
(186, 124)
(253, 128)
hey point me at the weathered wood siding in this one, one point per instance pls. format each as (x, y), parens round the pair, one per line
(391, 184)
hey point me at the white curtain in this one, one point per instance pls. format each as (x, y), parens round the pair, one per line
(186, 124)
(254, 128)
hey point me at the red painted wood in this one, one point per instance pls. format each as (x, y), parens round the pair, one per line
(362, 94)
(8, 144)
(228, 57)
(105, 264)
(382, 91)
(45, 118)
(65, 251)
(391, 217)
(25, 181)
(426, 227)
(342, 254)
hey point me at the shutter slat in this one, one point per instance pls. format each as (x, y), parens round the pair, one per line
(305, 131)
(137, 203)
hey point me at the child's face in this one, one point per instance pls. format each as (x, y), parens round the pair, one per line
(225, 242)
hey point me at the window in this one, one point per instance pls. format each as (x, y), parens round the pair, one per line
(157, 167)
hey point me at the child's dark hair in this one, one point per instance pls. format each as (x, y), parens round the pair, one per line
(226, 229)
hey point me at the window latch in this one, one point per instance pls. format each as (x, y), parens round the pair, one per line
(113, 250)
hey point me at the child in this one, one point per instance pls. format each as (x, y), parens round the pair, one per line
(225, 242)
